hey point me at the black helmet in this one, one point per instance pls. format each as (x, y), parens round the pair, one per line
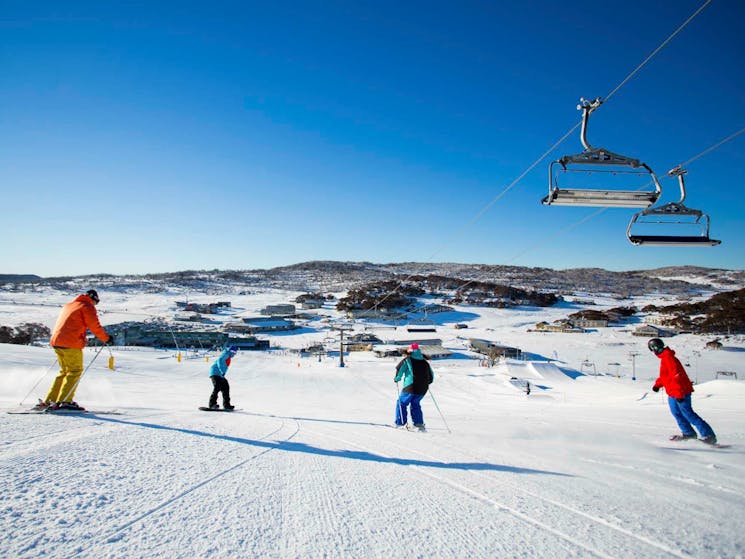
(656, 345)
(93, 294)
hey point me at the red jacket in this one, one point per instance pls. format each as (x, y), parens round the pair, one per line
(76, 317)
(673, 376)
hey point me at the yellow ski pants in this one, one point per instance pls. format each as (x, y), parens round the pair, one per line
(71, 367)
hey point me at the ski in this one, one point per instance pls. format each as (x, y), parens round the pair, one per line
(65, 412)
(405, 428)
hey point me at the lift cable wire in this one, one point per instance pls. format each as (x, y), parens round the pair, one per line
(483, 210)
(712, 148)
(658, 49)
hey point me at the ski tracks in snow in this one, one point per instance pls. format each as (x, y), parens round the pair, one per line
(579, 531)
(137, 488)
(285, 432)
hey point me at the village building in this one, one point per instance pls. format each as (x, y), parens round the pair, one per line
(430, 351)
(561, 326)
(651, 331)
(486, 347)
(385, 314)
(284, 309)
(267, 324)
(361, 342)
(590, 323)
(203, 308)
(312, 303)
(155, 336)
(187, 316)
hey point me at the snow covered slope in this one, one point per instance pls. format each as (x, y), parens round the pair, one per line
(309, 466)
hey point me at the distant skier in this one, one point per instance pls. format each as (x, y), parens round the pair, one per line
(219, 383)
(678, 386)
(68, 341)
(417, 375)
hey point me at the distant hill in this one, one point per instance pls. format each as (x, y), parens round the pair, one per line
(721, 313)
(331, 276)
(12, 278)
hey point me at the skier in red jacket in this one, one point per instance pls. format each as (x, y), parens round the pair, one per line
(678, 386)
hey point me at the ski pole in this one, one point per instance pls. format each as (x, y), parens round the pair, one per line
(400, 405)
(438, 411)
(38, 381)
(74, 387)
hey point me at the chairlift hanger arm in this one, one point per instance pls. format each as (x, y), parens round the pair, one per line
(605, 161)
(587, 108)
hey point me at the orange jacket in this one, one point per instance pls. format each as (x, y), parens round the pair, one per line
(76, 317)
(673, 376)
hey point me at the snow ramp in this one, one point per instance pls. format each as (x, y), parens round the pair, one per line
(539, 370)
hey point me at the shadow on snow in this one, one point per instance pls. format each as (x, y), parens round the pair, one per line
(289, 446)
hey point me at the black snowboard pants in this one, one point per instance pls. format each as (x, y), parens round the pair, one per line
(220, 384)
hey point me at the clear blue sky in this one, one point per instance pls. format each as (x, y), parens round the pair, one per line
(150, 137)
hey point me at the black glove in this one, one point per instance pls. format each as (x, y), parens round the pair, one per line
(110, 341)
(655, 389)
(679, 400)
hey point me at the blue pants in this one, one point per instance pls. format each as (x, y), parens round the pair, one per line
(687, 418)
(407, 399)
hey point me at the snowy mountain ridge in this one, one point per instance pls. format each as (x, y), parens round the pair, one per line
(339, 276)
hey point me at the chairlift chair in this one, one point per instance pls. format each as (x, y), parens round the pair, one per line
(605, 162)
(672, 215)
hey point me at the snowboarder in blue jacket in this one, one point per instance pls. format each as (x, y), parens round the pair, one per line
(219, 383)
(417, 375)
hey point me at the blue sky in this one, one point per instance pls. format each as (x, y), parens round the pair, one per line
(153, 137)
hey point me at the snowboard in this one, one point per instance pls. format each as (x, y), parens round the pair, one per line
(205, 408)
(716, 445)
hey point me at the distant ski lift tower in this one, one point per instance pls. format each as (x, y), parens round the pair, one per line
(341, 329)
(590, 366)
(633, 355)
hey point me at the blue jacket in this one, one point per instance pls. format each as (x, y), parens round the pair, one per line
(220, 367)
(416, 373)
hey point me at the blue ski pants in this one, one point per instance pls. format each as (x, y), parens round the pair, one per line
(687, 418)
(406, 399)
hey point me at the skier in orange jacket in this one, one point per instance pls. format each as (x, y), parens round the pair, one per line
(68, 341)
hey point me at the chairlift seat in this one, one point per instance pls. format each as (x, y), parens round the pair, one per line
(670, 240)
(672, 210)
(600, 198)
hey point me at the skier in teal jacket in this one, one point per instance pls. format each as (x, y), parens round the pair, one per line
(417, 375)
(219, 383)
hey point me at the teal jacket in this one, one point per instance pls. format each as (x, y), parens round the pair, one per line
(416, 373)
(220, 367)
